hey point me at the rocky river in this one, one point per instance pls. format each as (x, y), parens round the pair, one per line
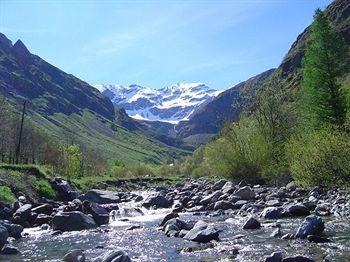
(198, 220)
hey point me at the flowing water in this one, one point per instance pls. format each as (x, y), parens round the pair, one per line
(148, 243)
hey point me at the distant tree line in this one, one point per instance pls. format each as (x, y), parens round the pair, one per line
(35, 146)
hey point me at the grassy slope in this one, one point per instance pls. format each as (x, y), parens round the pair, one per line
(97, 134)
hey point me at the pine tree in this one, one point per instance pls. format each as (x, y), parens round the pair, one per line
(322, 101)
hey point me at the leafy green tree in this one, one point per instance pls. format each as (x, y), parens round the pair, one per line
(322, 100)
(74, 160)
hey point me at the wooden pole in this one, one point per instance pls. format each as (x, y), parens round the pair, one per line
(18, 149)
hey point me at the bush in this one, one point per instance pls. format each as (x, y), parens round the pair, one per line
(6, 195)
(136, 171)
(43, 188)
(243, 153)
(320, 158)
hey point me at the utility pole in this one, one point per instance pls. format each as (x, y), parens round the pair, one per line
(18, 149)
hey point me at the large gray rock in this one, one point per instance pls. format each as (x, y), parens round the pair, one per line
(46, 209)
(219, 185)
(223, 205)
(173, 227)
(168, 217)
(211, 198)
(22, 214)
(10, 250)
(114, 256)
(14, 230)
(99, 214)
(3, 236)
(312, 225)
(75, 255)
(72, 221)
(297, 210)
(245, 193)
(101, 196)
(157, 201)
(272, 213)
(252, 223)
(275, 257)
(202, 233)
(297, 259)
(64, 189)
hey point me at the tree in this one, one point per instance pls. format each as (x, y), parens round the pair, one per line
(322, 101)
(73, 162)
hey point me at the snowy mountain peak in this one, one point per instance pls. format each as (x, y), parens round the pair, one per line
(172, 103)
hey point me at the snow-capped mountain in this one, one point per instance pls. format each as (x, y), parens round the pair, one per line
(172, 103)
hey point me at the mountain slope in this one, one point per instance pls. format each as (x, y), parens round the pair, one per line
(210, 118)
(289, 71)
(169, 104)
(71, 109)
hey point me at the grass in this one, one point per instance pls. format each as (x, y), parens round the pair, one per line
(97, 134)
(6, 195)
(31, 180)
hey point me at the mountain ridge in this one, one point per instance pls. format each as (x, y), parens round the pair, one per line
(67, 107)
(171, 103)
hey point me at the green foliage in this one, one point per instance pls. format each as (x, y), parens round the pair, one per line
(73, 165)
(6, 195)
(322, 102)
(243, 153)
(320, 158)
(136, 171)
(43, 188)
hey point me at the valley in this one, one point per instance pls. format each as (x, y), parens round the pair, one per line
(258, 171)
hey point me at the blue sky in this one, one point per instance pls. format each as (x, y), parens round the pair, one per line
(157, 43)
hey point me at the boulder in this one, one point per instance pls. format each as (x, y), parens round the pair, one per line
(312, 225)
(14, 230)
(101, 196)
(291, 186)
(46, 209)
(99, 214)
(223, 205)
(75, 255)
(168, 217)
(10, 250)
(157, 201)
(275, 257)
(202, 233)
(318, 239)
(211, 198)
(219, 185)
(245, 193)
(323, 209)
(297, 210)
(22, 214)
(252, 223)
(64, 189)
(42, 219)
(272, 213)
(297, 259)
(72, 221)
(3, 236)
(5, 212)
(115, 256)
(173, 227)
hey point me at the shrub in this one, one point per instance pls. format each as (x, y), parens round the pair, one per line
(6, 195)
(243, 153)
(43, 188)
(320, 158)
